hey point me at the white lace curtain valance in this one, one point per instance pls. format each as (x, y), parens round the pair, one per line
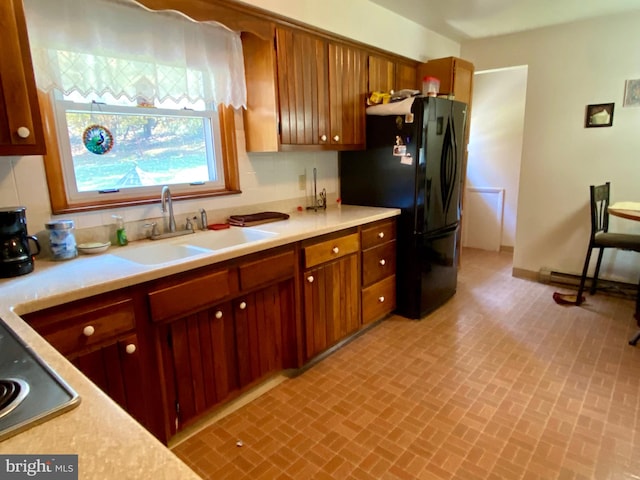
(99, 47)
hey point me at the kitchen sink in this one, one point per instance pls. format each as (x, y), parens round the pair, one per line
(160, 253)
(219, 239)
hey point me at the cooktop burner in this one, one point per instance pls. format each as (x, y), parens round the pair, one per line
(12, 392)
(30, 391)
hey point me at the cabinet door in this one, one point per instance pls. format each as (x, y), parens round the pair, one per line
(381, 74)
(302, 88)
(199, 362)
(406, 77)
(264, 336)
(117, 369)
(20, 122)
(331, 303)
(347, 94)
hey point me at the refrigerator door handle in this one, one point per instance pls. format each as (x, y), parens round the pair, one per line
(448, 167)
(443, 232)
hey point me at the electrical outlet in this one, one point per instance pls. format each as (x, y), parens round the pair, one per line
(302, 181)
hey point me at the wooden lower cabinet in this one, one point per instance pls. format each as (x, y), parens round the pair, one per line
(264, 330)
(242, 330)
(331, 303)
(199, 363)
(117, 369)
(99, 335)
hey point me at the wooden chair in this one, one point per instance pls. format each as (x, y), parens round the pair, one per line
(601, 238)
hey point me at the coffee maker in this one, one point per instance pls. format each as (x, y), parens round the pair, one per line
(16, 255)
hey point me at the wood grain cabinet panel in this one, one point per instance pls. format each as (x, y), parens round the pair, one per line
(378, 233)
(381, 74)
(181, 297)
(347, 94)
(21, 131)
(332, 249)
(379, 299)
(378, 263)
(263, 322)
(99, 336)
(199, 361)
(331, 303)
(302, 85)
(378, 270)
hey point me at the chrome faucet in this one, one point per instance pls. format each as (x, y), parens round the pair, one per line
(165, 198)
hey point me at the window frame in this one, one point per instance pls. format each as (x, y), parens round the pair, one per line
(61, 203)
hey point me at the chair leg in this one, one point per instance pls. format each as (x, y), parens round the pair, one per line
(585, 270)
(635, 339)
(594, 284)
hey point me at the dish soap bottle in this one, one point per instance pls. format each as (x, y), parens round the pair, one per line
(121, 234)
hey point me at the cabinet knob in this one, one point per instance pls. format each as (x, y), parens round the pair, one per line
(310, 279)
(381, 299)
(219, 314)
(383, 262)
(88, 331)
(335, 250)
(23, 132)
(323, 138)
(336, 138)
(381, 235)
(131, 348)
(243, 305)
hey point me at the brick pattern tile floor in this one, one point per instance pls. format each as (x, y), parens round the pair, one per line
(500, 383)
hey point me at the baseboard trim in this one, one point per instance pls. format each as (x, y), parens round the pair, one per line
(573, 281)
(506, 248)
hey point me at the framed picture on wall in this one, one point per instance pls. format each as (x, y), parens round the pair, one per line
(599, 115)
(631, 93)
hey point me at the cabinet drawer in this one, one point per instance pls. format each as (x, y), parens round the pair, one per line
(191, 295)
(378, 233)
(267, 269)
(330, 249)
(379, 299)
(91, 328)
(378, 262)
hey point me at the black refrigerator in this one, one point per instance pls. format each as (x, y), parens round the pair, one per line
(413, 161)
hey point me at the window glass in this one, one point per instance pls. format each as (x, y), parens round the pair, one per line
(121, 149)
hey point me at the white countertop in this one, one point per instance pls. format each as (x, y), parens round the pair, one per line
(111, 444)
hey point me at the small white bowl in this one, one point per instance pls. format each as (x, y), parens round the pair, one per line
(93, 247)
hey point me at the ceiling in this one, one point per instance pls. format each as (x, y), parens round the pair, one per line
(462, 20)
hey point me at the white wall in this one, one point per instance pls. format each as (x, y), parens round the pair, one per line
(365, 22)
(569, 67)
(263, 177)
(495, 140)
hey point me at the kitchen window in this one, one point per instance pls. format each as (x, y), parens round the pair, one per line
(135, 99)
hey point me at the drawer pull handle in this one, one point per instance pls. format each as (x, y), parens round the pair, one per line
(23, 132)
(336, 138)
(323, 138)
(335, 250)
(381, 235)
(131, 348)
(383, 262)
(381, 299)
(88, 331)
(243, 305)
(310, 279)
(219, 314)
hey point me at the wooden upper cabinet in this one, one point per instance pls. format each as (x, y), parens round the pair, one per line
(302, 68)
(320, 89)
(386, 75)
(381, 74)
(20, 122)
(407, 77)
(455, 74)
(347, 94)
